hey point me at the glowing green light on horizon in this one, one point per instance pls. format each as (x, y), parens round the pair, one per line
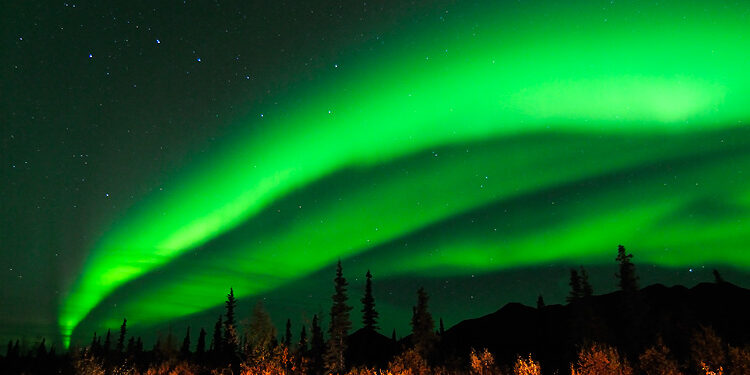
(627, 76)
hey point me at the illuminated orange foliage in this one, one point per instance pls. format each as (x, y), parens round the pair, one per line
(656, 360)
(526, 366)
(600, 359)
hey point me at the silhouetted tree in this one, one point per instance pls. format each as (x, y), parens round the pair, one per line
(576, 290)
(317, 346)
(393, 335)
(442, 327)
(627, 280)
(130, 350)
(422, 325)
(288, 334)
(216, 340)
(302, 344)
(540, 302)
(16, 349)
(231, 342)
(185, 348)
(107, 343)
(95, 349)
(369, 315)
(586, 289)
(717, 277)
(200, 347)
(41, 350)
(121, 339)
(340, 324)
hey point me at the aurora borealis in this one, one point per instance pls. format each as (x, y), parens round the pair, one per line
(481, 139)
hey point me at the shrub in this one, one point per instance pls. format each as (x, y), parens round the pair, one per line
(600, 359)
(526, 366)
(656, 360)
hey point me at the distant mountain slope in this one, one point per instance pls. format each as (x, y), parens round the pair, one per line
(552, 334)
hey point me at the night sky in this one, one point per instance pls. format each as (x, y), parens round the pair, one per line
(154, 156)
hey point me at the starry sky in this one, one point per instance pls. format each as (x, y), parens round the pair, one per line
(154, 156)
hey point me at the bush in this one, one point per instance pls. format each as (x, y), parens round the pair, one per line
(526, 366)
(483, 364)
(656, 360)
(409, 362)
(707, 349)
(739, 360)
(600, 359)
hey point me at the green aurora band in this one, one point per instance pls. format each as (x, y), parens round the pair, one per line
(520, 100)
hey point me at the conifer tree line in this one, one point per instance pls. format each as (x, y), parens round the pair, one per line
(255, 346)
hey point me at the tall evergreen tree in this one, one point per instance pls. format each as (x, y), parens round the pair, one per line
(231, 342)
(185, 348)
(369, 315)
(340, 324)
(121, 339)
(422, 325)
(393, 335)
(107, 343)
(302, 344)
(627, 280)
(94, 347)
(576, 290)
(288, 334)
(200, 347)
(317, 346)
(442, 327)
(586, 289)
(217, 337)
(540, 302)
(130, 350)
(41, 350)
(717, 277)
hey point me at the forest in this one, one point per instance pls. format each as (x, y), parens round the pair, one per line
(653, 330)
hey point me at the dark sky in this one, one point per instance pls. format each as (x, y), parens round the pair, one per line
(152, 156)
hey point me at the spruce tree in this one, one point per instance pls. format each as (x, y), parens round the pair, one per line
(130, 350)
(369, 315)
(317, 346)
(121, 339)
(107, 343)
(302, 344)
(94, 347)
(442, 327)
(393, 335)
(586, 289)
(231, 342)
(216, 340)
(627, 280)
(288, 334)
(540, 302)
(422, 325)
(576, 290)
(185, 348)
(41, 350)
(717, 277)
(200, 347)
(340, 324)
